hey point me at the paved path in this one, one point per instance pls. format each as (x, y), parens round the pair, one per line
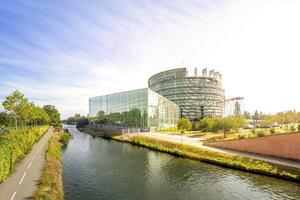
(25, 179)
(198, 143)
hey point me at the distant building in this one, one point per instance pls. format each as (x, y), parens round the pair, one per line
(194, 94)
(170, 95)
(141, 108)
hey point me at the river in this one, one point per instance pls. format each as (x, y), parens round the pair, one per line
(95, 168)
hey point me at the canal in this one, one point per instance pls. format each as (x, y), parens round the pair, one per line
(94, 168)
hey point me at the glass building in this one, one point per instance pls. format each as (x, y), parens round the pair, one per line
(195, 95)
(141, 108)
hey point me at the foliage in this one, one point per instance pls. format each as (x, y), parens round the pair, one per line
(221, 124)
(65, 139)
(73, 120)
(261, 133)
(14, 145)
(292, 128)
(253, 130)
(272, 130)
(298, 127)
(82, 122)
(184, 124)
(53, 114)
(205, 125)
(241, 136)
(18, 109)
(15, 104)
(51, 186)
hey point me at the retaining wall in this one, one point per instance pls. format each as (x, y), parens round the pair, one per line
(282, 145)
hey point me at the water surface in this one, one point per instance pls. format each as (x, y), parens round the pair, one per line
(94, 168)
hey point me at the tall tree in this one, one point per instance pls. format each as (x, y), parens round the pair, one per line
(15, 104)
(53, 114)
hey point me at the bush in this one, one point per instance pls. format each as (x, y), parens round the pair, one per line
(272, 131)
(14, 145)
(292, 128)
(241, 136)
(135, 140)
(253, 130)
(65, 139)
(261, 133)
(298, 127)
(176, 151)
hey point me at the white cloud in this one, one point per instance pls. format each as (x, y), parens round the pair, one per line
(105, 48)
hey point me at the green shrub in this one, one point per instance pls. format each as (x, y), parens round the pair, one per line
(135, 140)
(176, 151)
(241, 136)
(272, 131)
(14, 145)
(261, 133)
(253, 130)
(292, 128)
(298, 127)
(65, 139)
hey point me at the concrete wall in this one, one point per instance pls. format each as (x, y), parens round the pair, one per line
(282, 145)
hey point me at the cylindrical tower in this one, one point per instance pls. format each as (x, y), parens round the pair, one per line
(194, 94)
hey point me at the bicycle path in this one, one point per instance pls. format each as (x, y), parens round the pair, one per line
(25, 179)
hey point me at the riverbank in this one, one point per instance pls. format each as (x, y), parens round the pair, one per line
(51, 185)
(219, 158)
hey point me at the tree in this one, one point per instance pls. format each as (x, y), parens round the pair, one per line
(238, 122)
(205, 125)
(247, 115)
(4, 118)
(184, 124)
(53, 114)
(256, 116)
(224, 124)
(15, 104)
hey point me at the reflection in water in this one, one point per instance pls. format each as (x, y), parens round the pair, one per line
(104, 169)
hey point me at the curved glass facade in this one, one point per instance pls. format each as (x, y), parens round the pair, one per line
(193, 94)
(141, 108)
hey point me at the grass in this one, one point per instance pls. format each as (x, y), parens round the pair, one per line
(51, 186)
(227, 160)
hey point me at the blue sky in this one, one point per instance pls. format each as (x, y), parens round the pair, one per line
(63, 52)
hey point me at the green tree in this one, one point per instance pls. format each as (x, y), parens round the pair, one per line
(247, 115)
(205, 125)
(4, 118)
(238, 122)
(15, 104)
(224, 125)
(184, 124)
(54, 115)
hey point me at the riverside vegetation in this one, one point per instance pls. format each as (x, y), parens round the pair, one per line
(219, 158)
(14, 145)
(51, 186)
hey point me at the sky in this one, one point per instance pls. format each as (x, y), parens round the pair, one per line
(63, 52)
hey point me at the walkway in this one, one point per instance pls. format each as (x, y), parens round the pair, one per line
(198, 143)
(25, 179)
